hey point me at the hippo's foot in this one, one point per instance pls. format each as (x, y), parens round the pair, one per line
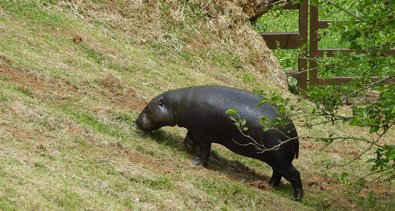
(298, 195)
(200, 162)
(274, 183)
(293, 176)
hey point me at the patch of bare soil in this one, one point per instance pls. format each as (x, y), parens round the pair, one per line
(41, 88)
(308, 144)
(378, 189)
(321, 183)
(122, 95)
(162, 166)
(53, 89)
(318, 183)
(20, 133)
(263, 185)
(337, 151)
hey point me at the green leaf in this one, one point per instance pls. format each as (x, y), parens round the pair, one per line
(292, 81)
(231, 111)
(391, 152)
(391, 155)
(374, 129)
(243, 122)
(236, 124)
(261, 102)
(233, 118)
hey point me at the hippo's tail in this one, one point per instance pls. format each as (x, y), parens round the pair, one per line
(297, 148)
(295, 137)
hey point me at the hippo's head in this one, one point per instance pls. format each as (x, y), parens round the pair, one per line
(156, 114)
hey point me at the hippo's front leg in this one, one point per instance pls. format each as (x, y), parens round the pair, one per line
(204, 150)
(203, 155)
(189, 142)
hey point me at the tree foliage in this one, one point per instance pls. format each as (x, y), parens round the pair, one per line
(368, 27)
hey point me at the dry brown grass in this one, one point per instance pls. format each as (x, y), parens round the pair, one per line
(217, 31)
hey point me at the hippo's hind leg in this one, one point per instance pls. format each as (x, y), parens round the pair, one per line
(275, 179)
(293, 176)
(189, 142)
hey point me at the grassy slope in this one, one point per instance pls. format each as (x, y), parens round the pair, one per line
(68, 139)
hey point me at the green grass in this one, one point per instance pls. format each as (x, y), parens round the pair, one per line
(69, 200)
(90, 121)
(31, 10)
(163, 182)
(278, 21)
(281, 21)
(3, 98)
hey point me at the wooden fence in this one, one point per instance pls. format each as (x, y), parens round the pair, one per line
(307, 73)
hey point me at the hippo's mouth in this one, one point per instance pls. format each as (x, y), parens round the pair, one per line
(144, 124)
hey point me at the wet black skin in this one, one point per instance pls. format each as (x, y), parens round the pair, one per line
(201, 110)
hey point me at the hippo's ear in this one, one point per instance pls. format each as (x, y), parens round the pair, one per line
(161, 101)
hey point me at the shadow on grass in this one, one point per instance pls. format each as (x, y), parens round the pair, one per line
(234, 169)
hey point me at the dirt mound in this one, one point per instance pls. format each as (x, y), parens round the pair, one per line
(198, 31)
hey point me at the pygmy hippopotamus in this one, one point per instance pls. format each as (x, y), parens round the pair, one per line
(202, 110)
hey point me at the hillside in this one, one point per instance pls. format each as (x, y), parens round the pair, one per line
(75, 75)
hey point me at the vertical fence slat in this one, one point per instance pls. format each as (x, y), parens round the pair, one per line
(302, 59)
(314, 37)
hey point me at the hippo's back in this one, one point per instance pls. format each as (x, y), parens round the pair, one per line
(219, 99)
(204, 108)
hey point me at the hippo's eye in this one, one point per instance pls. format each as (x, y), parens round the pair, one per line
(161, 102)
